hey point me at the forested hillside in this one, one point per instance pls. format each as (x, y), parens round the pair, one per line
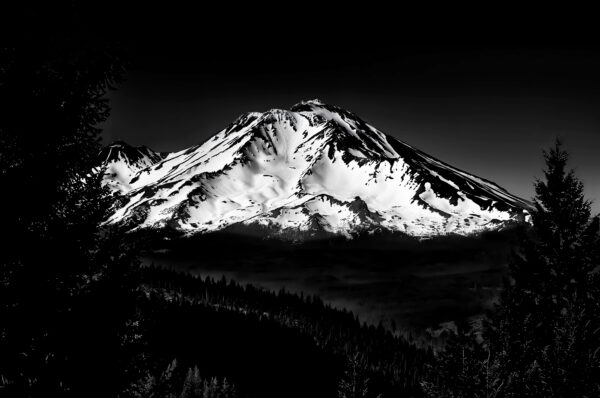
(265, 342)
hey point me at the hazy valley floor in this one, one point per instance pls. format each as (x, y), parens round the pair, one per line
(407, 284)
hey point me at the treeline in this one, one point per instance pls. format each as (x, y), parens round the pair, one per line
(211, 314)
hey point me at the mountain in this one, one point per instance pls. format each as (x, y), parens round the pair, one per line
(122, 161)
(315, 167)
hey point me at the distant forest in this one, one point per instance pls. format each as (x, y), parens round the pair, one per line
(80, 317)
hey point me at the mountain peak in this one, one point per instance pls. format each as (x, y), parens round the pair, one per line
(314, 101)
(121, 161)
(275, 168)
(309, 105)
(118, 143)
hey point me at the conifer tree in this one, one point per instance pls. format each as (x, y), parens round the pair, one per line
(67, 311)
(545, 330)
(228, 389)
(466, 368)
(193, 385)
(354, 383)
(543, 339)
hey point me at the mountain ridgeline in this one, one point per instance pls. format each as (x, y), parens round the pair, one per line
(313, 168)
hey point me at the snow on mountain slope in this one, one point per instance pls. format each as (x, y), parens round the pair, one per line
(314, 167)
(121, 161)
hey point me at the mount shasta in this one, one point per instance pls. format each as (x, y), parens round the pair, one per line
(315, 167)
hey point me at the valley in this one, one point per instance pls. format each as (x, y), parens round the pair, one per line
(403, 283)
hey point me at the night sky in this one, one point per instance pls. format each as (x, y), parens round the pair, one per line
(488, 109)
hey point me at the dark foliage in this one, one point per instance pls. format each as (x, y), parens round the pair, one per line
(244, 333)
(67, 290)
(543, 340)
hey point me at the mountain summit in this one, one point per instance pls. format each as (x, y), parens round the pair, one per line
(313, 167)
(121, 161)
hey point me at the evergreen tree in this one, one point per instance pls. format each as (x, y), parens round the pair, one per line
(163, 386)
(196, 387)
(354, 383)
(543, 340)
(228, 389)
(466, 369)
(545, 328)
(193, 385)
(67, 291)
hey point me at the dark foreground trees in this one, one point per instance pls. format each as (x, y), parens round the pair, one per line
(66, 310)
(543, 340)
(76, 317)
(264, 342)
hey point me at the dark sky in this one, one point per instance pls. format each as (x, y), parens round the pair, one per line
(488, 109)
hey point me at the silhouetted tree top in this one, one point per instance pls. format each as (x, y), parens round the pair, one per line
(58, 275)
(56, 67)
(542, 340)
(561, 211)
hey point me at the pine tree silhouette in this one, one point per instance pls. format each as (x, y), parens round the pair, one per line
(66, 310)
(544, 330)
(354, 383)
(543, 339)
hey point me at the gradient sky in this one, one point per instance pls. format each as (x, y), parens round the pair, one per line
(487, 109)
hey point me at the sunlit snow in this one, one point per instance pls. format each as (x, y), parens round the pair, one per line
(290, 169)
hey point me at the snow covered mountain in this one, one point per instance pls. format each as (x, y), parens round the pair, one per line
(121, 161)
(315, 167)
